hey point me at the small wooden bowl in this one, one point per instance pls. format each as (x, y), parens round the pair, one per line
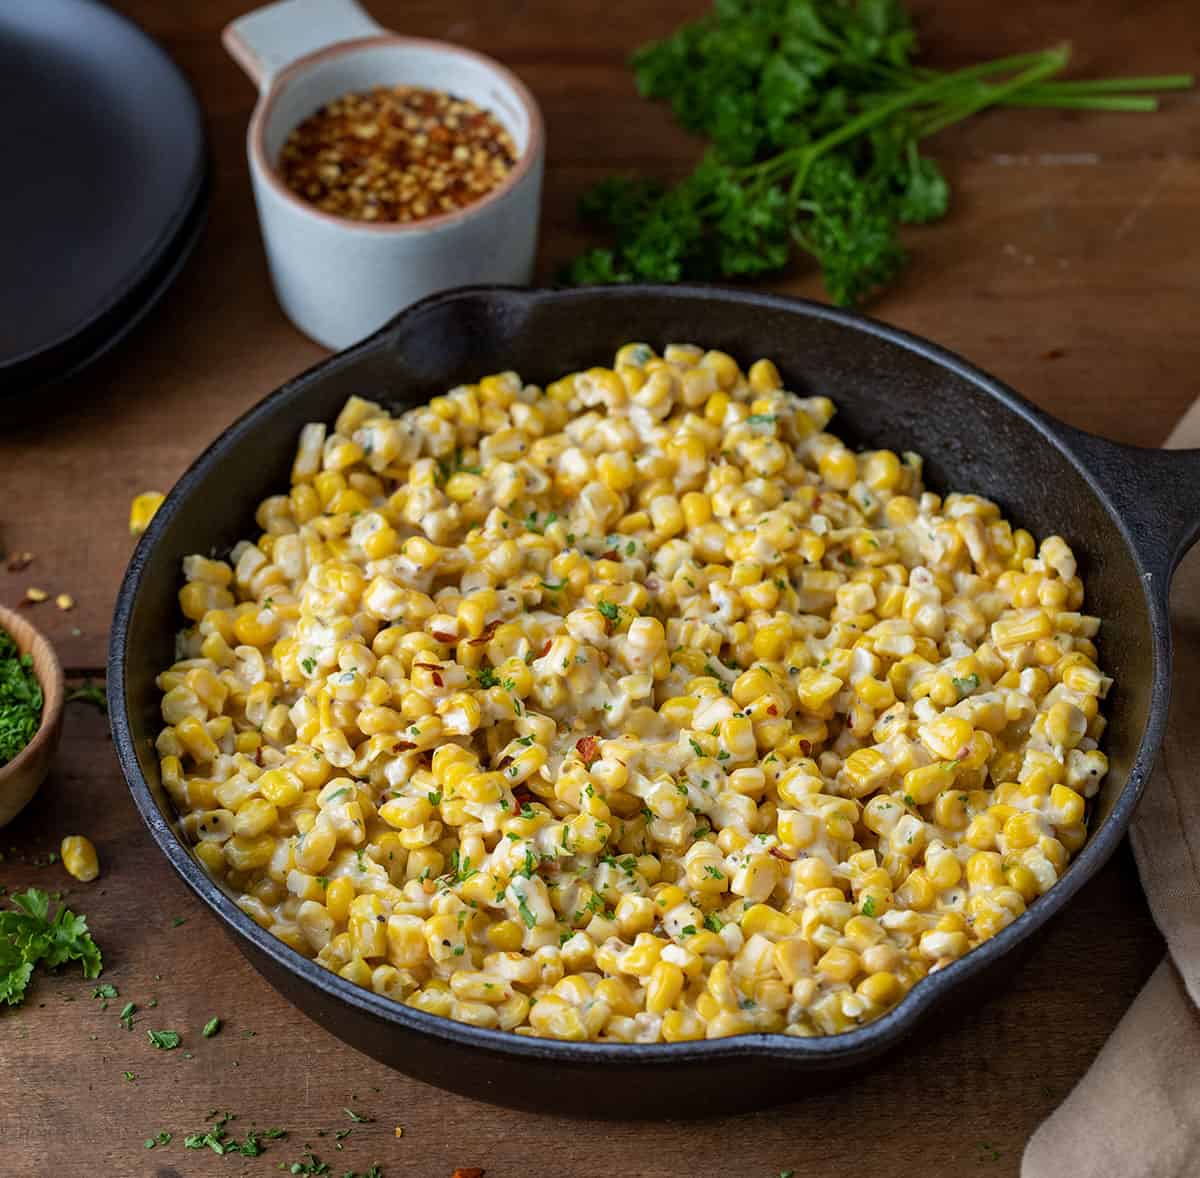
(21, 777)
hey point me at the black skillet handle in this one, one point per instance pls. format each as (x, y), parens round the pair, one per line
(1156, 492)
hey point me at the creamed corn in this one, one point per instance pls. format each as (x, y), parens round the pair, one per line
(636, 708)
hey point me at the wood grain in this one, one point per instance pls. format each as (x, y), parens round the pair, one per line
(1069, 267)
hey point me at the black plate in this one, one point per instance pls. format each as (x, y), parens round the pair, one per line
(1129, 515)
(105, 168)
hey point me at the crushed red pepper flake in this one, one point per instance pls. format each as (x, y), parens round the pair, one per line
(588, 748)
(396, 154)
(486, 636)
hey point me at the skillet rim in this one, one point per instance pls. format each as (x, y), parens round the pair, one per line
(818, 1053)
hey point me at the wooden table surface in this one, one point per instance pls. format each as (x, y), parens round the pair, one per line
(1070, 267)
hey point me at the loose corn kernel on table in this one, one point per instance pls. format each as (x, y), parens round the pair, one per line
(1041, 275)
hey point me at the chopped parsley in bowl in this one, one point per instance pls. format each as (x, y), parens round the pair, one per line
(20, 699)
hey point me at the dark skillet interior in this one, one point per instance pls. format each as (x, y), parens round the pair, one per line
(890, 390)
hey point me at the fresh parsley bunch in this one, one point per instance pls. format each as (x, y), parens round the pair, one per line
(815, 111)
(28, 936)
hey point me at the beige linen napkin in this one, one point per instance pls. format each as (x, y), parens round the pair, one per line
(1136, 1114)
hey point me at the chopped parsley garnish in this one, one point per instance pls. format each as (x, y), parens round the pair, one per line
(868, 906)
(609, 610)
(89, 693)
(695, 746)
(688, 930)
(338, 793)
(357, 1118)
(160, 1138)
(713, 872)
(211, 1027)
(178, 920)
(487, 677)
(309, 1164)
(20, 699)
(713, 922)
(526, 915)
(218, 1140)
(309, 665)
(761, 419)
(164, 1040)
(966, 684)
(461, 869)
(435, 797)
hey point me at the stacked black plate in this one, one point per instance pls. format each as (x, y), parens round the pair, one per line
(104, 186)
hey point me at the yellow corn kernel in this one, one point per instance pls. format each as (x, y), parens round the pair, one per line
(984, 870)
(1022, 830)
(142, 509)
(1028, 625)
(839, 468)
(924, 784)
(280, 787)
(867, 770)
(839, 964)
(556, 1019)
(664, 987)
(815, 687)
(643, 955)
(881, 989)
(314, 849)
(255, 817)
(79, 858)
(1066, 806)
(681, 1026)
(767, 922)
(764, 377)
(245, 854)
(947, 737)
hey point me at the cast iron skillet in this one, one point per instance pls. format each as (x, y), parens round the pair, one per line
(1129, 514)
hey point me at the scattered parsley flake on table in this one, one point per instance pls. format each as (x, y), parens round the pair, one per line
(89, 693)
